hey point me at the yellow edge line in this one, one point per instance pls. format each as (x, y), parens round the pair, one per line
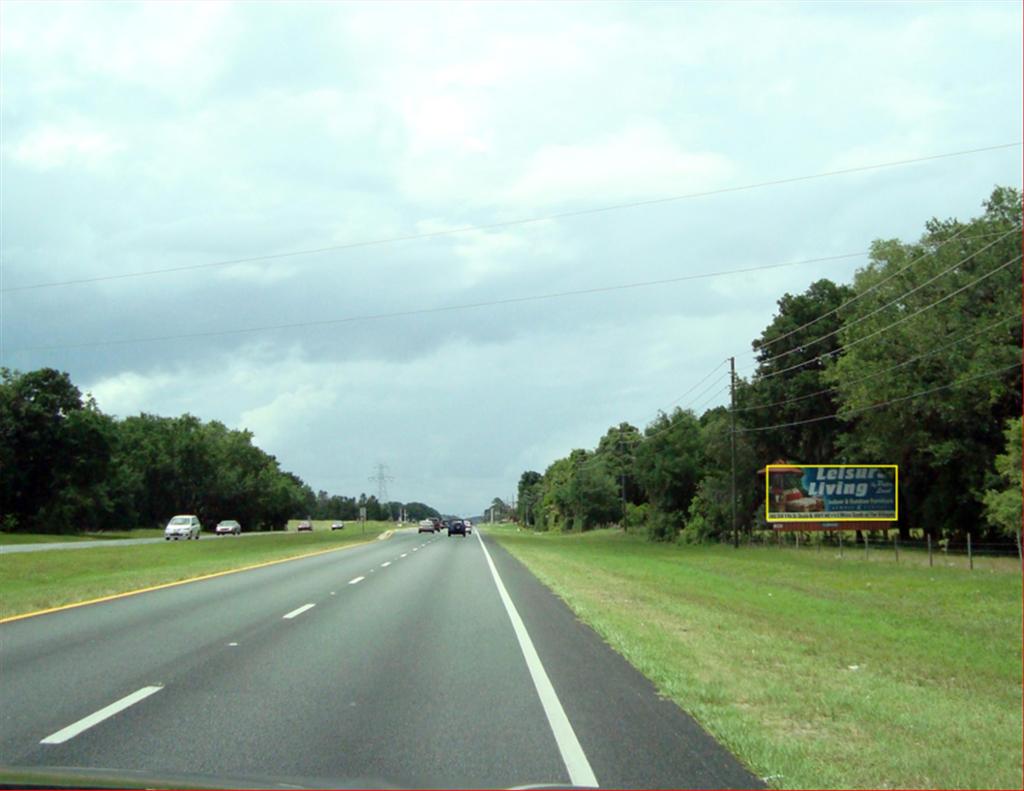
(163, 585)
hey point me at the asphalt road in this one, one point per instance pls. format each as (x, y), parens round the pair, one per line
(417, 661)
(113, 542)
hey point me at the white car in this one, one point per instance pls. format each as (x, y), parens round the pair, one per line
(183, 526)
(228, 527)
(469, 525)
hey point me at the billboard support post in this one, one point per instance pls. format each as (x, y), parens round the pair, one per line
(867, 540)
(896, 547)
(930, 563)
(840, 543)
(970, 555)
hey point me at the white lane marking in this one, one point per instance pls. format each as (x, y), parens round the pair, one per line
(404, 554)
(332, 593)
(97, 717)
(232, 644)
(385, 564)
(357, 579)
(575, 760)
(415, 548)
(299, 611)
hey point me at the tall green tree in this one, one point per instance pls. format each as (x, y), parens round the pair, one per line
(947, 320)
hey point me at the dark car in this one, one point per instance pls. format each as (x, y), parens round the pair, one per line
(457, 527)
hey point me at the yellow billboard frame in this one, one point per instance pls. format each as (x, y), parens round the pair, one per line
(807, 518)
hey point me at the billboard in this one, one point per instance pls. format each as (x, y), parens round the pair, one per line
(831, 492)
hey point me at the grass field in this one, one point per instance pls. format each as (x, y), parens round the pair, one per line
(817, 672)
(33, 581)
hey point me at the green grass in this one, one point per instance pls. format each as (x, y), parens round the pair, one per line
(818, 672)
(33, 581)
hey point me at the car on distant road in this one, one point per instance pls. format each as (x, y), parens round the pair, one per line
(426, 526)
(337, 525)
(228, 527)
(304, 526)
(457, 527)
(183, 526)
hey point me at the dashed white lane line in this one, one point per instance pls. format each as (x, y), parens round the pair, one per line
(415, 548)
(575, 760)
(385, 564)
(97, 717)
(298, 611)
(357, 579)
(404, 554)
(232, 645)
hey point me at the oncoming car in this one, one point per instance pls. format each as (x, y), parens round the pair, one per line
(183, 526)
(305, 526)
(228, 527)
(337, 525)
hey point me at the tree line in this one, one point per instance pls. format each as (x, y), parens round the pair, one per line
(66, 467)
(916, 362)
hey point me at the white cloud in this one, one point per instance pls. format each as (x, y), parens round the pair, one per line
(638, 162)
(53, 146)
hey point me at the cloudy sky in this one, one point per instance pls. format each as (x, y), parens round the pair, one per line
(167, 136)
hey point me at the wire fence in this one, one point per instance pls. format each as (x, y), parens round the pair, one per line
(882, 547)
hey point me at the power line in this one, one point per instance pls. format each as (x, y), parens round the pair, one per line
(427, 311)
(909, 316)
(702, 381)
(847, 324)
(508, 223)
(858, 411)
(875, 375)
(879, 284)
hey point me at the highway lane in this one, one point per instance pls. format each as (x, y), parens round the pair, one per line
(9, 549)
(405, 671)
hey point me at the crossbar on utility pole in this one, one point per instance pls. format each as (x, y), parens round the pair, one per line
(732, 437)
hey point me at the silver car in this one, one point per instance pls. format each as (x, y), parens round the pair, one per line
(183, 526)
(228, 527)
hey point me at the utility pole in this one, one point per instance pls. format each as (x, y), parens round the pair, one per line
(381, 478)
(732, 436)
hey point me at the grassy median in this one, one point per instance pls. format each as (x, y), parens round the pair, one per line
(32, 581)
(818, 672)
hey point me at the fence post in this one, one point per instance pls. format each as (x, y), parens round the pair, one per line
(798, 540)
(970, 556)
(840, 544)
(896, 546)
(929, 550)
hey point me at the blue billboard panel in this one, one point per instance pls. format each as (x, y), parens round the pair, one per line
(831, 492)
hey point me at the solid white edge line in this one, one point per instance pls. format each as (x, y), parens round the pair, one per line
(357, 579)
(575, 760)
(299, 611)
(97, 717)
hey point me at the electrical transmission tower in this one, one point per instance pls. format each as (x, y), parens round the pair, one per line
(381, 478)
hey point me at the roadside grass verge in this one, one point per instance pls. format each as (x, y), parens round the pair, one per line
(816, 672)
(40, 538)
(34, 581)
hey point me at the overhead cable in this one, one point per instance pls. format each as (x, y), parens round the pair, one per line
(427, 311)
(853, 322)
(851, 412)
(835, 352)
(876, 374)
(506, 223)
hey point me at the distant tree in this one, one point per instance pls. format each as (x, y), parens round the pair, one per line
(669, 466)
